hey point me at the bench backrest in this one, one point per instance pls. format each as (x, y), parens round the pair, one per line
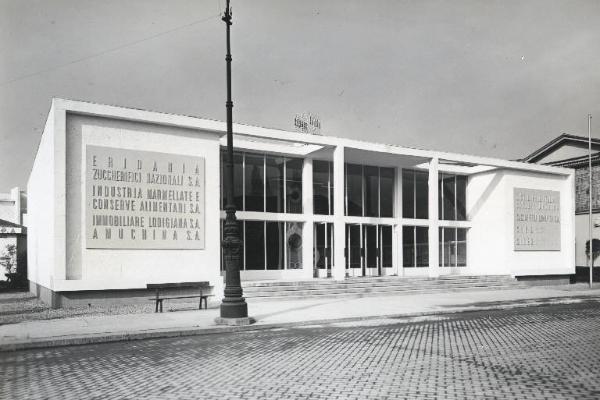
(176, 285)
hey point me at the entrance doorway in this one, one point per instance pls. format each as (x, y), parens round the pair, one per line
(368, 249)
(323, 249)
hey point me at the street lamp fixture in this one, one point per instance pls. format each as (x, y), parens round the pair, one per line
(234, 309)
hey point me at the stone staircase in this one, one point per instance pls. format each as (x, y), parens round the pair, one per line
(379, 286)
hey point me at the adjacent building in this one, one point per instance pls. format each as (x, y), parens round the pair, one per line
(571, 151)
(13, 236)
(120, 198)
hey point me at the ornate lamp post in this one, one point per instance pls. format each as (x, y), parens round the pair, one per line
(234, 310)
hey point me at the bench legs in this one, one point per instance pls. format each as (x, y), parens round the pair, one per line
(158, 301)
(205, 298)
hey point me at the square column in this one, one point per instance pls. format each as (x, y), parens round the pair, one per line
(338, 270)
(398, 254)
(434, 233)
(308, 229)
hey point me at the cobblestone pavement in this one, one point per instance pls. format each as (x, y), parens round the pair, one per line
(535, 352)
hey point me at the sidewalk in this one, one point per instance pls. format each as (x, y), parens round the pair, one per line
(271, 314)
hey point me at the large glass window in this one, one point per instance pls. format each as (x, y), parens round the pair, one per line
(385, 235)
(294, 245)
(264, 183)
(370, 246)
(274, 183)
(323, 237)
(461, 247)
(408, 194)
(415, 246)
(371, 191)
(269, 245)
(386, 192)
(353, 246)
(322, 187)
(354, 190)
(422, 246)
(415, 196)
(461, 196)
(293, 185)
(452, 197)
(255, 245)
(254, 183)
(453, 247)
(448, 199)
(421, 194)
(275, 243)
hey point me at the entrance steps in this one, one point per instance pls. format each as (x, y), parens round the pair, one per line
(373, 286)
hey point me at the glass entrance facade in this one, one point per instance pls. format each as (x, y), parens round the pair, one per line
(387, 214)
(269, 186)
(369, 249)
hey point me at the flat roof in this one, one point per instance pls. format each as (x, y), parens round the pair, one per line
(220, 128)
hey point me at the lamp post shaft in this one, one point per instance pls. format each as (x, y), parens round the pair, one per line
(591, 199)
(233, 304)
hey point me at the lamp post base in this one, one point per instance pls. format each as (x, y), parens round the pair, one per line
(234, 309)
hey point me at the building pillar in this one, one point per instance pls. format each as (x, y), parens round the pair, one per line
(434, 253)
(398, 255)
(338, 270)
(308, 229)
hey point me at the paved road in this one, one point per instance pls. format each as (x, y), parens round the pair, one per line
(537, 352)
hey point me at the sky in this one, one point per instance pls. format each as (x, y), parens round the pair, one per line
(493, 78)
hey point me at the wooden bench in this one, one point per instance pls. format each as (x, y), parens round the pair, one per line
(158, 287)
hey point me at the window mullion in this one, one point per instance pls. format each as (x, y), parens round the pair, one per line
(285, 255)
(441, 240)
(379, 192)
(440, 198)
(415, 246)
(455, 202)
(345, 189)
(329, 202)
(243, 234)
(284, 185)
(414, 190)
(362, 188)
(243, 181)
(455, 247)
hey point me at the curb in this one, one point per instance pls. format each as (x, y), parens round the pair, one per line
(97, 338)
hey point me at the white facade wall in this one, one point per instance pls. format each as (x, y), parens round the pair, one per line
(59, 257)
(490, 240)
(42, 209)
(60, 261)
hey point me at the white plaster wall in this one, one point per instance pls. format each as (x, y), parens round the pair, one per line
(40, 213)
(88, 269)
(491, 238)
(486, 210)
(543, 262)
